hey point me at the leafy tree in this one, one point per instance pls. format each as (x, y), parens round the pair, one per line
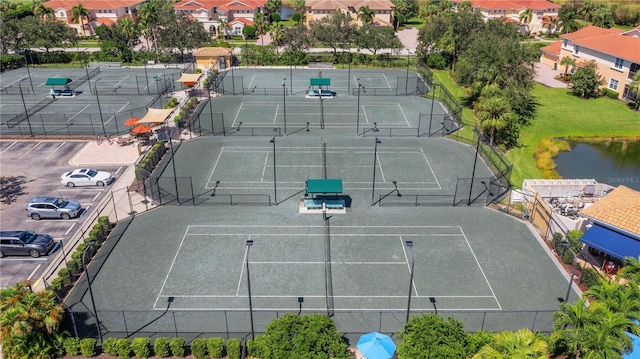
(79, 13)
(566, 62)
(586, 9)
(408, 8)
(366, 14)
(182, 33)
(47, 34)
(586, 80)
(525, 17)
(374, 38)
(433, 337)
(602, 16)
(334, 30)
(521, 344)
(294, 336)
(249, 32)
(29, 323)
(299, 6)
(273, 6)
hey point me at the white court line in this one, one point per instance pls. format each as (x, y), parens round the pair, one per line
(332, 263)
(121, 81)
(237, 114)
(380, 165)
(480, 267)
(114, 115)
(244, 261)
(307, 226)
(364, 111)
(72, 117)
(11, 145)
(403, 115)
(430, 168)
(264, 168)
(252, 78)
(275, 116)
(55, 150)
(215, 164)
(31, 149)
(404, 250)
(294, 104)
(334, 235)
(276, 309)
(173, 262)
(387, 81)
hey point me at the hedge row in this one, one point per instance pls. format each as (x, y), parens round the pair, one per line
(179, 119)
(150, 161)
(201, 348)
(66, 275)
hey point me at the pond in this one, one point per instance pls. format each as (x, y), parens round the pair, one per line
(614, 163)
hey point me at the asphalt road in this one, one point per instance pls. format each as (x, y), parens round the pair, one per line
(29, 169)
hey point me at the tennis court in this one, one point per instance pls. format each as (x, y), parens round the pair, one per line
(102, 99)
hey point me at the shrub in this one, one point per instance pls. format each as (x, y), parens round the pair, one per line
(437, 61)
(215, 347)
(74, 266)
(88, 347)
(141, 347)
(233, 348)
(610, 93)
(199, 348)
(71, 346)
(161, 347)
(177, 346)
(123, 347)
(275, 17)
(567, 257)
(109, 346)
(296, 17)
(556, 241)
(590, 277)
(57, 284)
(198, 71)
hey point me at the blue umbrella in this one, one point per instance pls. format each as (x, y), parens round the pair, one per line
(376, 346)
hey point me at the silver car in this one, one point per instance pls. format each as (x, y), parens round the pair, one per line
(25, 243)
(86, 177)
(52, 207)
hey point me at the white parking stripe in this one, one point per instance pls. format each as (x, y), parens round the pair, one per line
(11, 145)
(70, 228)
(31, 149)
(34, 272)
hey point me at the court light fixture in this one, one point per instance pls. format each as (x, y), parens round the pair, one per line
(275, 183)
(410, 245)
(375, 163)
(95, 86)
(284, 102)
(360, 88)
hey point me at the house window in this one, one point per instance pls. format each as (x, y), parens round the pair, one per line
(576, 50)
(565, 42)
(619, 63)
(613, 84)
(126, 10)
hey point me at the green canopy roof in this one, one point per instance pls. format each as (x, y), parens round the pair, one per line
(320, 81)
(329, 185)
(53, 81)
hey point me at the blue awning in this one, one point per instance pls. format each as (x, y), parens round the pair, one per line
(611, 242)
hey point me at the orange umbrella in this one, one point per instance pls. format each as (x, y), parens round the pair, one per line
(140, 129)
(131, 122)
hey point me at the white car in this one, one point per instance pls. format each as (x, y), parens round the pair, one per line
(86, 177)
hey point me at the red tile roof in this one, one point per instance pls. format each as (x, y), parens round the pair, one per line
(92, 4)
(220, 4)
(619, 208)
(553, 48)
(343, 4)
(241, 5)
(608, 41)
(243, 20)
(512, 4)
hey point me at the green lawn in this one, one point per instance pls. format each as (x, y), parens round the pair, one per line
(559, 114)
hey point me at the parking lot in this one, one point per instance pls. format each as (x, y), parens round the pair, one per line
(31, 169)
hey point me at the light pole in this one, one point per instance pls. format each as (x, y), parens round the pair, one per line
(410, 245)
(473, 173)
(249, 244)
(349, 73)
(284, 102)
(95, 87)
(246, 50)
(26, 112)
(146, 77)
(375, 162)
(291, 70)
(28, 72)
(233, 80)
(93, 303)
(360, 87)
(573, 270)
(275, 185)
(407, 81)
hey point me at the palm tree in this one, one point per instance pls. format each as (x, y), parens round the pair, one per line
(276, 32)
(148, 15)
(494, 114)
(366, 14)
(41, 11)
(521, 344)
(223, 25)
(566, 62)
(261, 25)
(130, 30)
(572, 325)
(567, 21)
(299, 6)
(525, 17)
(29, 322)
(618, 298)
(606, 338)
(631, 266)
(602, 16)
(79, 12)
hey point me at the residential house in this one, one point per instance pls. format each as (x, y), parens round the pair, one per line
(614, 230)
(510, 10)
(617, 53)
(213, 13)
(101, 12)
(318, 9)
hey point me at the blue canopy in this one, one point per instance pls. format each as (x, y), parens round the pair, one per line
(376, 346)
(635, 352)
(611, 242)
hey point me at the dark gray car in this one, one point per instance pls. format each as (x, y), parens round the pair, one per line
(52, 207)
(25, 243)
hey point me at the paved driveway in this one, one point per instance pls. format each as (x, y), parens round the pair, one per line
(545, 74)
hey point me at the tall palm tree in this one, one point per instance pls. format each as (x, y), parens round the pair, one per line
(568, 21)
(494, 114)
(618, 298)
(631, 266)
(79, 12)
(606, 338)
(260, 23)
(566, 62)
(223, 25)
(525, 18)
(148, 15)
(41, 11)
(276, 32)
(299, 6)
(366, 14)
(521, 344)
(572, 324)
(130, 30)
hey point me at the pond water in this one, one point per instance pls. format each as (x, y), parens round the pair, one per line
(615, 163)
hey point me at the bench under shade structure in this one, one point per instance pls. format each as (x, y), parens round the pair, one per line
(322, 196)
(319, 87)
(59, 81)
